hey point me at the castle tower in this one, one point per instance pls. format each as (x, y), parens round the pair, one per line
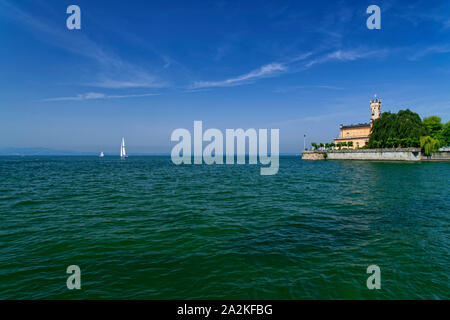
(375, 109)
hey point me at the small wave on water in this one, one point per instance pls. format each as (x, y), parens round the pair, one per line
(147, 229)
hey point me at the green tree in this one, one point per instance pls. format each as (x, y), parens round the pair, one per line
(321, 145)
(314, 145)
(412, 142)
(375, 144)
(429, 145)
(434, 126)
(350, 143)
(444, 135)
(403, 143)
(402, 125)
(389, 143)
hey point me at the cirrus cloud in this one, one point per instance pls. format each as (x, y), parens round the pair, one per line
(98, 96)
(264, 71)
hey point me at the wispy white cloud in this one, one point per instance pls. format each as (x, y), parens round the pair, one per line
(265, 71)
(299, 57)
(123, 75)
(417, 16)
(346, 55)
(296, 88)
(98, 96)
(221, 51)
(112, 71)
(126, 84)
(262, 72)
(436, 49)
(294, 64)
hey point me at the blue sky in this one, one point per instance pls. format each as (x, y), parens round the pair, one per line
(141, 69)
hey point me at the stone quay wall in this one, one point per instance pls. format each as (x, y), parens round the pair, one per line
(394, 154)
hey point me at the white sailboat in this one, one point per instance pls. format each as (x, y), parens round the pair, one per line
(123, 153)
(101, 155)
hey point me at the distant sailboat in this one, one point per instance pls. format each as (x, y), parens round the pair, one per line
(123, 153)
(101, 155)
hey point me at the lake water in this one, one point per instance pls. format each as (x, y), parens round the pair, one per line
(143, 228)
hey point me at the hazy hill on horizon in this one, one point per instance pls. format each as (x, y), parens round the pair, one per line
(40, 152)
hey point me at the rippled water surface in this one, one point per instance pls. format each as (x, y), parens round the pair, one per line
(144, 228)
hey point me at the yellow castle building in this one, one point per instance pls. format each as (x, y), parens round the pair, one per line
(359, 133)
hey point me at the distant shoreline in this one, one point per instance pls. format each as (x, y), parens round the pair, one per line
(111, 155)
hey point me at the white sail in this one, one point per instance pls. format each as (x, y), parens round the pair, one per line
(123, 153)
(101, 154)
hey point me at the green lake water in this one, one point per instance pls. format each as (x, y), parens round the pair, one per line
(143, 228)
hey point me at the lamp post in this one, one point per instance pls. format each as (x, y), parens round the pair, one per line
(304, 142)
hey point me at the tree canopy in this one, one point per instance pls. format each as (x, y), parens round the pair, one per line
(397, 129)
(429, 145)
(433, 125)
(438, 130)
(444, 135)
